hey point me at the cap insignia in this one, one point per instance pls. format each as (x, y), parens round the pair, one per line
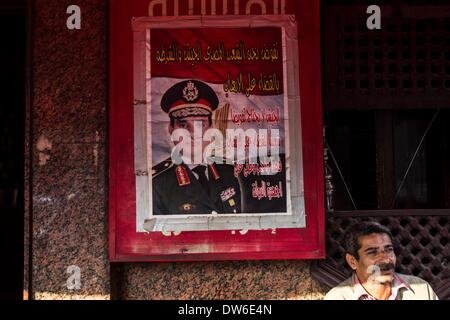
(190, 92)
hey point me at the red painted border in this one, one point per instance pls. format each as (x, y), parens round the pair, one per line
(127, 245)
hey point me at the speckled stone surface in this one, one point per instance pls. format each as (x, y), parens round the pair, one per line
(69, 185)
(318, 290)
(69, 121)
(267, 280)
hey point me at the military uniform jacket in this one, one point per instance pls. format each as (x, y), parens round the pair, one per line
(187, 196)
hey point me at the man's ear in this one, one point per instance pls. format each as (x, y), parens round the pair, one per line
(352, 261)
(170, 129)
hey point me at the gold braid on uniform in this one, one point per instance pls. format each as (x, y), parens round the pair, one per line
(190, 112)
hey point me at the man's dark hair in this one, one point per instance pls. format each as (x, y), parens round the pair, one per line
(352, 235)
(172, 121)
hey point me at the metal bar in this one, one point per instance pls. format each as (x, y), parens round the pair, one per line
(340, 173)
(414, 158)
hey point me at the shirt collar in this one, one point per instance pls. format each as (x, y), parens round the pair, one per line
(192, 166)
(361, 294)
(397, 285)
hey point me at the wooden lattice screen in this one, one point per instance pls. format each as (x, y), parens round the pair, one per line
(406, 64)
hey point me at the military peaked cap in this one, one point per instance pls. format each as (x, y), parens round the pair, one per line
(189, 98)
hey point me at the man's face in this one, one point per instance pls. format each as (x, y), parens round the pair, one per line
(376, 259)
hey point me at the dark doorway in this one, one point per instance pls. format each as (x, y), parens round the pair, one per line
(13, 28)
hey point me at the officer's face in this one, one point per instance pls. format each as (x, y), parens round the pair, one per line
(197, 127)
(376, 259)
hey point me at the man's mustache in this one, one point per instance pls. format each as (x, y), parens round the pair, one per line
(386, 266)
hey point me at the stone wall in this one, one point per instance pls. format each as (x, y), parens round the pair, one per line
(69, 166)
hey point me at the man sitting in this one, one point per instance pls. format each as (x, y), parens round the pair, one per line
(370, 254)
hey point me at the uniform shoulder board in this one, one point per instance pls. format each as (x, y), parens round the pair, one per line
(162, 167)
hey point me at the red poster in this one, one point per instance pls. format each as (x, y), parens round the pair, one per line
(217, 142)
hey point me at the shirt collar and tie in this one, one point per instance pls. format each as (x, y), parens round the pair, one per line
(201, 174)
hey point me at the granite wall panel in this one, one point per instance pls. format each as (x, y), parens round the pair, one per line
(69, 128)
(232, 280)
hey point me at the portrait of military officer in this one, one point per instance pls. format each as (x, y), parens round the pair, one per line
(193, 188)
